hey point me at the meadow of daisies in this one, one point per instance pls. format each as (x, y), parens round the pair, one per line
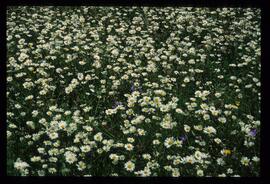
(133, 91)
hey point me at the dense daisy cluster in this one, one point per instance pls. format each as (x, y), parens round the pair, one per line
(133, 91)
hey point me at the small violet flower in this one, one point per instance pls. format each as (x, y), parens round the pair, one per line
(253, 132)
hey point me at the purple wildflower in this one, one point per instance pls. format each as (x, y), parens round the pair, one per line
(183, 138)
(253, 132)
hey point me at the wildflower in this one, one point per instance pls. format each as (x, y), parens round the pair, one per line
(98, 137)
(129, 166)
(198, 155)
(35, 159)
(187, 128)
(129, 147)
(81, 166)
(20, 165)
(255, 159)
(169, 142)
(245, 161)
(220, 161)
(178, 110)
(183, 138)
(175, 172)
(85, 148)
(253, 132)
(130, 139)
(156, 142)
(209, 130)
(229, 171)
(200, 172)
(217, 140)
(70, 157)
(53, 135)
(62, 125)
(189, 159)
(222, 120)
(146, 156)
